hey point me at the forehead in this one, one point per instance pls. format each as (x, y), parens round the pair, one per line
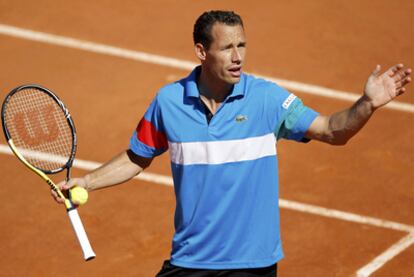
(223, 34)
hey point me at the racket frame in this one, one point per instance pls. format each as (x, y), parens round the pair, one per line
(70, 207)
(67, 116)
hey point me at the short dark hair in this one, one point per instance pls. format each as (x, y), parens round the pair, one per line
(204, 24)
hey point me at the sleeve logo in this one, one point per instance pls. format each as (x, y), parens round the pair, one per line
(288, 101)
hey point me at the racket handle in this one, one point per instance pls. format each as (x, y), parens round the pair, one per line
(81, 234)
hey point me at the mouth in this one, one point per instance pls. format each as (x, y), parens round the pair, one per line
(235, 71)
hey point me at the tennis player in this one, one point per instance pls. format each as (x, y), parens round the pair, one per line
(221, 126)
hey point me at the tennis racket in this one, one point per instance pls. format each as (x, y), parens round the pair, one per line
(41, 134)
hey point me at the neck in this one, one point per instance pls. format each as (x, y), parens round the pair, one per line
(212, 92)
(212, 89)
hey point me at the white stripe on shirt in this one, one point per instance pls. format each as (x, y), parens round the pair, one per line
(219, 152)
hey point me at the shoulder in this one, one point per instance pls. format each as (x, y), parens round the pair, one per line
(170, 93)
(171, 89)
(266, 88)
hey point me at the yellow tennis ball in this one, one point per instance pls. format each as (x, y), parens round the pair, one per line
(78, 195)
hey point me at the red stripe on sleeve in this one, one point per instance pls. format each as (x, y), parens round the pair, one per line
(147, 134)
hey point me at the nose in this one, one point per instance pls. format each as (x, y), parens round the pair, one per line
(236, 56)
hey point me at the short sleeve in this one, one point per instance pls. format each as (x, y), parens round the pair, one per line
(149, 139)
(295, 121)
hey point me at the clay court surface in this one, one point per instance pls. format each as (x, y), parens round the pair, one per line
(331, 44)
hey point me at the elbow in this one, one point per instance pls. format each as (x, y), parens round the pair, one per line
(142, 162)
(338, 140)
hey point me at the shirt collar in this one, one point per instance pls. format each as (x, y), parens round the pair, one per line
(191, 89)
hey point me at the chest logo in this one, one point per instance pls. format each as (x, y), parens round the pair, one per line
(241, 118)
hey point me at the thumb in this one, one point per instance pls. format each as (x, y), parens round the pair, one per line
(376, 72)
(65, 185)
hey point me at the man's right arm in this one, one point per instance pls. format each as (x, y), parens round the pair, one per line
(120, 169)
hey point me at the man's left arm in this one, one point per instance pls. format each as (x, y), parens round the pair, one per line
(380, 89)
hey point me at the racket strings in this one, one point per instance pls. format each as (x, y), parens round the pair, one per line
(39, 129)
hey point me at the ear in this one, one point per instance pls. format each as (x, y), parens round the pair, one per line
(200, 51)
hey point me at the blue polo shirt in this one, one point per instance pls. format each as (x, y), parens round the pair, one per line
(225, 172)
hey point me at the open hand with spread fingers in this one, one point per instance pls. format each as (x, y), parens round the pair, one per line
(383, 88)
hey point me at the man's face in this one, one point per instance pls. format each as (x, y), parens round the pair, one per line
(224, 59)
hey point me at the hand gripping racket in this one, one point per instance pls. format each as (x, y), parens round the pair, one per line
(40, 132)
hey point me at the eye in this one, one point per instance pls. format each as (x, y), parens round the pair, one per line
(227, 47)
(241, 45)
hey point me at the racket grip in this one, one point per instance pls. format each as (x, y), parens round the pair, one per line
(81, 234)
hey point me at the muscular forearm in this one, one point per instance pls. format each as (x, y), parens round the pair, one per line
(118, 170)
(345, 124)
(338, 128)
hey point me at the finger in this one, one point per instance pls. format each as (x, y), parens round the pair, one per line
(394, 69)
(66, 185)
(376, 71)
(62, 186)
(56, 197)
(403, 82)
(400, 91)
(407, 73)
(401, 75)
(53, 193)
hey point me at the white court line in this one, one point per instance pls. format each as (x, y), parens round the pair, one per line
(386, 256)
(176, 63)
(331, 213)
